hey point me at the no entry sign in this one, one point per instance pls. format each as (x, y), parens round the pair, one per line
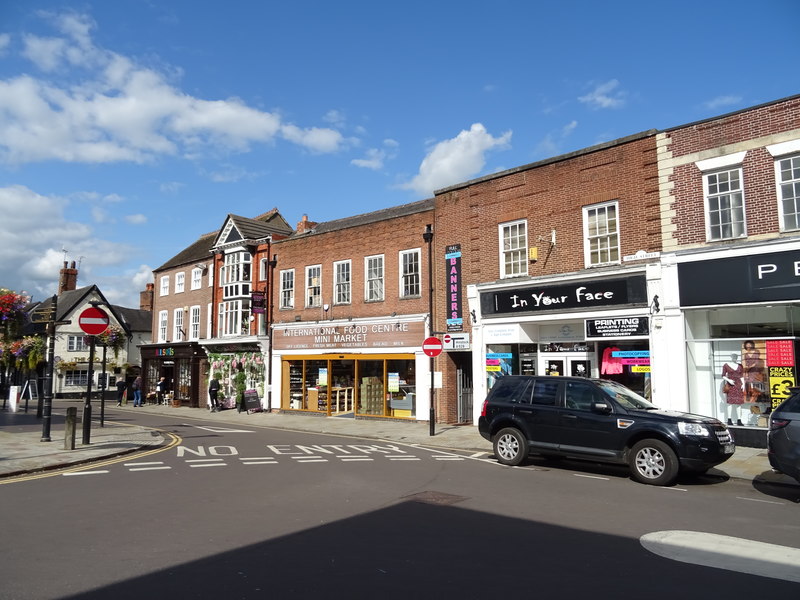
(93, 321)
(432, 347)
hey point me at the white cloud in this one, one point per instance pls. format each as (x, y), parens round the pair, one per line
(373, 160)
(604, 96)
(315, 139)
(33, 232)
(101, 215)
(171, 187)
(569, 128)
(722, 101)
(122, 111)
(137, 219)
(455, 160)
(5, 42)
(335, 118)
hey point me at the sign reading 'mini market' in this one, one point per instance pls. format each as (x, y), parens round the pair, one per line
(577, 295)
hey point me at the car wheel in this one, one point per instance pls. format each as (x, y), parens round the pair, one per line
(510, 446)
(653, 462)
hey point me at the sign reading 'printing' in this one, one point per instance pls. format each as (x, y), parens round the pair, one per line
(617, 328)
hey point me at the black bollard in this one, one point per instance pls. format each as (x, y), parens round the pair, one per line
(69, 432)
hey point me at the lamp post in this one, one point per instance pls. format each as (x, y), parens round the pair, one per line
(428, 238)
(47, 408)
(272, 264)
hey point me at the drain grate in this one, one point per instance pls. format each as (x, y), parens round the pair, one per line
(432, 497)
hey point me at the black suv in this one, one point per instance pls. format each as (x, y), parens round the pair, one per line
(576, 417)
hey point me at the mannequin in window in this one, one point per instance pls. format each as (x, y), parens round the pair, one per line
(733, 387)
(754, 386)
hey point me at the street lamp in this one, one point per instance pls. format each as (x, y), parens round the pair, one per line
(427, 236)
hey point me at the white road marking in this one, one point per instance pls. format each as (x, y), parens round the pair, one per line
(84, 473)
(209, 465)
(591, 476)
(219, 429)
(150, 469)
(142, 464)
(448, 458)
(760, 500)
(726, 552)
(260, 462)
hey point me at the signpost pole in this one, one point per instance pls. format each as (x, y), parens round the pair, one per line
(47, 407)
(87, 407)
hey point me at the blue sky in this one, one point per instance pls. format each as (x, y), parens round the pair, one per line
(130, 127)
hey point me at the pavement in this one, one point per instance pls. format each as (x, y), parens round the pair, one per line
(22, 450)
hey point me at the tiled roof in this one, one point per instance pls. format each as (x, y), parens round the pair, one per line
(199, 251)
(372, 217)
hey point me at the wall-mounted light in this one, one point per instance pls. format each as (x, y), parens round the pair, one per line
(474, 316)
(655, 307)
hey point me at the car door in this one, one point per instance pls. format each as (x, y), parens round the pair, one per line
(539, 416)
(582, 430)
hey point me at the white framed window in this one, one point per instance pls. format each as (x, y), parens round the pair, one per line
(180, 282)
(514, 249)
(287, 288)
(409, 262)
(163, 322)
(724, 202)
(236, 275)
(787, 173)
(313, 286)
(373, 278)
(601, 234)
(197, 278)
(234, 318)
(209, 332)
(76, 378)
(177, 321)
(342, 282)
(77, 343)
(194, 323)
(164, 289)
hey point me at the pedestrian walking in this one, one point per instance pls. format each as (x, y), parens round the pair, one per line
(213, 391)
(137, 391)
(122, 390)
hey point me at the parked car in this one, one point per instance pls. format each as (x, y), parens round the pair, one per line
(783, 438)
(600, 420)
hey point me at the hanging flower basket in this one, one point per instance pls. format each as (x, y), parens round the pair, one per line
(113, 338)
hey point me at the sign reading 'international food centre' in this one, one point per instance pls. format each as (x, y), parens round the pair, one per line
(348, 336)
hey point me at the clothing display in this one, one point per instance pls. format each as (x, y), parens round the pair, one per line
(611, 365)
(733, 389)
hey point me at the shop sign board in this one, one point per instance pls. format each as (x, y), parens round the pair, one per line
(773, 276)
(349, 335)
(258, 303)
(617, 327)
(251, 401)
(584, 294)
(452, 257)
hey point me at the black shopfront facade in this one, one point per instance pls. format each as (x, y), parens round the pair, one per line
(182, 364)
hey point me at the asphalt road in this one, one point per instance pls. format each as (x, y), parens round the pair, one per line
(233, 512)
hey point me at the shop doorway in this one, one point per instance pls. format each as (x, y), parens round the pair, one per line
(579, 364)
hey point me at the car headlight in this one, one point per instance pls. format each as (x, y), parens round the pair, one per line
(687, 428)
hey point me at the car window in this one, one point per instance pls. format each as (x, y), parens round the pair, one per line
(625, 396)
(579, 395)
(511, 389)
(792, 404)
(545, 392)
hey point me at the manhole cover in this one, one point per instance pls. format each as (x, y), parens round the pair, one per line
(431, 497)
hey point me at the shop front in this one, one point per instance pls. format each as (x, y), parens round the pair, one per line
(741, 329)
(240, 369)
(180, 364)
(584, 328)
(353, 368)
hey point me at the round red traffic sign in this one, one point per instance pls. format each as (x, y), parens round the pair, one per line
(93, 321)
(432, 346)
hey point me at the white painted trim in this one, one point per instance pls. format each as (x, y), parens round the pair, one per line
(719, 162)
(784, 148)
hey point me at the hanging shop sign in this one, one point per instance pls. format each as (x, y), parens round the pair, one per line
(578, 295)
(258, 303)
(349, 335)
(734, 280)
(452, 258)
(617, 327)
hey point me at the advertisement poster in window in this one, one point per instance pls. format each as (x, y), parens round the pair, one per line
(780, 369)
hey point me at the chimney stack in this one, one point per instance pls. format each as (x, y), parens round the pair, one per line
(67, 278)
(146, 298)
(305, 225)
